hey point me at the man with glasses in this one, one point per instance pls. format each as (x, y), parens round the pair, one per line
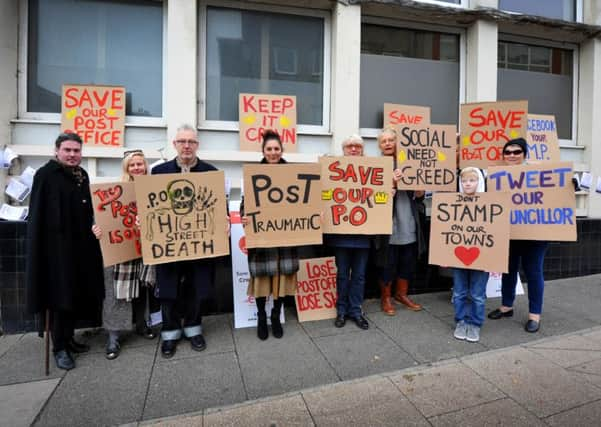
(182, 285)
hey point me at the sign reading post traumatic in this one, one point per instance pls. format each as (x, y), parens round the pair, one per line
(543, 143)
(95, 113)
(486, 127)
(115, 213)
(543, 203)
(316, 289)
(426, 157)
(258, 113)
(182, 216)
(470, 231)
(282, 204)
(356, 194)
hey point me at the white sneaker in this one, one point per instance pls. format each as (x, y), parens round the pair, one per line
(473, 333)
(460, 330)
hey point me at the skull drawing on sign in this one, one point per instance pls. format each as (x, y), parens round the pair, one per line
(181, 195)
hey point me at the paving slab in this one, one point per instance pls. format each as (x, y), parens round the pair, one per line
(538, 384)
(594, 337)
(326, 328)
(588, 341)
(438, 304)
(101, 391)
(585, 415)
(364, 353)
(555, 320)
(504, 333)
(503, 412)
(574, 305)
(97, 339)
(445, 388)
(24, 361)
(20, 403)
(567, 358)
(188, 385)
(7, 341)
(591, 371)
(281, 365)
(373, 401)
(287, 411)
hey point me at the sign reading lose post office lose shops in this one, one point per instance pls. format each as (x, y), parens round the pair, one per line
(95, 113)
(316, 289)
(543, 143)
(356, 194)
(182, 216)
(282, 204)
(426, 157)
(486, 127)
(258, 112)
(543, 203)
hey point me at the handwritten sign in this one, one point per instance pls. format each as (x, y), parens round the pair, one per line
(316, 289)
(543, 143)
(260, 112)
(95, 113)
(486, 127)
(470, 231)
(283, 205)
(115, 213)
(397, 115)
(426, 156)
(182, 216)
(542, 199)
(356, 194)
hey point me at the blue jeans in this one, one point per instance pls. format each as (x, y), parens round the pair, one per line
(470, 283)
(531, 254)
(350, 280)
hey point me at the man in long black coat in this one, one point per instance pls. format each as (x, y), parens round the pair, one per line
(64, 263)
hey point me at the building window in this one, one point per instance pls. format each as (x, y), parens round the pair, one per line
(557, 9)
(95, 42)
(406, 66)
(543, 75)
(251, 51)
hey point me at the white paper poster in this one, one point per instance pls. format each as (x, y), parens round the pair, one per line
(245, 309)
(493, 286)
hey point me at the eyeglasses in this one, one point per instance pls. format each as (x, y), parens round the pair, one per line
(512, 152)
(355, 146)
(129, 152)
(186, 141)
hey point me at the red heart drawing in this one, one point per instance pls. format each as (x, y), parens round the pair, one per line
(467, 255)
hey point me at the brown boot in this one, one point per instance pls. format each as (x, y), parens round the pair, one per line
(385, 290)
(402, 286)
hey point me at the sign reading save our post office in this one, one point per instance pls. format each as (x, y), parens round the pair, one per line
(258, 112)
(182, 216)
(282, 204)
(95, 113)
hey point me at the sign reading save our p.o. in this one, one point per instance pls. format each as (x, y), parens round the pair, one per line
(95, 113)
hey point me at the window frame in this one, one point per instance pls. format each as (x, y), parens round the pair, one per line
(532, 41)
(55, 118)
(227, 125)
(578, 18)
(387, 22)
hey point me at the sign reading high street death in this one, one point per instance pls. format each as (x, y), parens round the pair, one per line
(543, 203)
(115, 213)
(182, 216)
(95, 113)
(470, 231)
(316, 289)
(258, 112)
(486, 127)
(426, 157)
(356, 194)
(397, 115)
(282, 204)
(543, 143)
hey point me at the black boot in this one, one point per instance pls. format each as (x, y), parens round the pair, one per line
(262, 331)
(276, 326)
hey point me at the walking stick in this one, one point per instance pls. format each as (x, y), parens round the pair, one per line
(47, 328)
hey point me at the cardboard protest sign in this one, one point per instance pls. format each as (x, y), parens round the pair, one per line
(182, 216)
(316, 289)
(115, 213)
(426, 156)
(283, 205)
(95, 113)
(356, 194)
(486, 127)
(543, 203)
(396, 115)
(470, 231)
(543, 143)
(258, 112)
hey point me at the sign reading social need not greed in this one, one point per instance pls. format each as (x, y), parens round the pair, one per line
(316, 289)
(470, 231)
(486, 127)
(258, 113)
(95, 113)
